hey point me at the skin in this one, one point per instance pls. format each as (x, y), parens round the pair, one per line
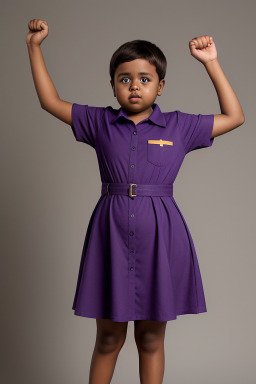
(149, 335)
(202, 48)
(147, 86)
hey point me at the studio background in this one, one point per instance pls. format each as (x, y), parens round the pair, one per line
(50, 184)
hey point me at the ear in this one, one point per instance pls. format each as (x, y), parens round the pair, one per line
(161, 86)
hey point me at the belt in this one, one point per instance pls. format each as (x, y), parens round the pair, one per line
(133, 190)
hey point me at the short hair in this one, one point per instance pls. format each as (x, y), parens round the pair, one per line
(138, 49)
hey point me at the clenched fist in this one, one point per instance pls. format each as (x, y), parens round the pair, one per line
(38, 31)
(203, 49)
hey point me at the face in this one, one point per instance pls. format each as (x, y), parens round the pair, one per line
(129, 81)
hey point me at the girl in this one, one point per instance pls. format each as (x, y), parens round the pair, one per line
(138, 262)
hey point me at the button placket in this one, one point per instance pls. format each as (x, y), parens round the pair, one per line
(132, 222)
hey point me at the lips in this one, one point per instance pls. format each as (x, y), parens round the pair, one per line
(134, 97)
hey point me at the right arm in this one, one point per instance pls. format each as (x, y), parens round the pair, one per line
(46, 91)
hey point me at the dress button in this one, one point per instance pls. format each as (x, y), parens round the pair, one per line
(132, 165)
(132, 250)
(131, 233)
(133, 148)
(132, 215)
(135, 132)
(131, 268)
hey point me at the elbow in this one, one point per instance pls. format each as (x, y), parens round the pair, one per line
(242, 120)
(45, 107)
(239, 118)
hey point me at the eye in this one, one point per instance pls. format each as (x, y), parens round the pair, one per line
(146, 79)
(124, 79)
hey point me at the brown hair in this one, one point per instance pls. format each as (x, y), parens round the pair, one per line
(138, 49)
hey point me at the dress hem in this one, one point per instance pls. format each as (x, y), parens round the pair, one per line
(141, 317)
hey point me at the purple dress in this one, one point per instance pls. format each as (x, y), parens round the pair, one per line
(138, 260)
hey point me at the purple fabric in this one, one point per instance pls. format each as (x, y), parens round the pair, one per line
(138, 260)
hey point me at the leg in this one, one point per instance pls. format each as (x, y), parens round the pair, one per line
(109, 341)
(149, 337)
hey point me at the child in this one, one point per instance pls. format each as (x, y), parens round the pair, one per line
(138, 262)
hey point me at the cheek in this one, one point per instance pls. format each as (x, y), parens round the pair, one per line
(122, 87)
(120, 90)
(150, 89)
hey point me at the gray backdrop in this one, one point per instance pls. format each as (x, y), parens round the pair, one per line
(50, 184)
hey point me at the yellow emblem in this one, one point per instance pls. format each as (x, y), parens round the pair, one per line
(160, 142)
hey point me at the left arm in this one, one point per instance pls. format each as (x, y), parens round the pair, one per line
(232, 116)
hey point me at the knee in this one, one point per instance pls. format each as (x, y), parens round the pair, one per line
(149, 342)
(108, 343)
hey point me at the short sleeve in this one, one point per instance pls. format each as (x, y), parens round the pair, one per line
(85, 122)
(196, 130)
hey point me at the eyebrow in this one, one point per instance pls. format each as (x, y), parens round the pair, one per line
(139, 73)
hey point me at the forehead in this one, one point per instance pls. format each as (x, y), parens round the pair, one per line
(135, 66)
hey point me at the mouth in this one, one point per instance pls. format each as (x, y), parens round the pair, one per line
(134, 97)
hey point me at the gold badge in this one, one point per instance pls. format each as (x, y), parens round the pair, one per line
(160, 142)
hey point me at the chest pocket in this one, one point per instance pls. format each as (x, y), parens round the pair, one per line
(159, 152)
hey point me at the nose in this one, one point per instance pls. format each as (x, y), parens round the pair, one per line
(134, 86)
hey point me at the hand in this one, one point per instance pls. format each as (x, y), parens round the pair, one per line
(203, 49)
(38, 31)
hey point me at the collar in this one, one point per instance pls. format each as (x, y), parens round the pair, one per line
(156, 116)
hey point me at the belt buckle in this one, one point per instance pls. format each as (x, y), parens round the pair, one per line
(107, 189)
(130, 190)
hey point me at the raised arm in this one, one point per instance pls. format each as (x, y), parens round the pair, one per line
(204, 50)
(46, 91)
